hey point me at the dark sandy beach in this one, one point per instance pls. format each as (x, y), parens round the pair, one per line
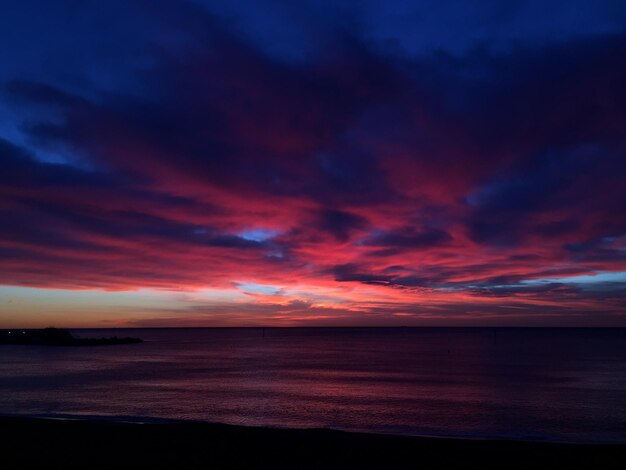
(95, 443)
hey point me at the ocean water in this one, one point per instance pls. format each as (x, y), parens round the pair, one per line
(552, 384)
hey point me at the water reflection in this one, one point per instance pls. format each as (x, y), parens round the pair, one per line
(542, 383)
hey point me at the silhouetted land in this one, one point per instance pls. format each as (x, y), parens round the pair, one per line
(44, 443)
(58, 337)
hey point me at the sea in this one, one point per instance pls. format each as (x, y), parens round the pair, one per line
(555, 384)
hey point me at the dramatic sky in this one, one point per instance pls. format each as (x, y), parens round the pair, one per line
(323, 162)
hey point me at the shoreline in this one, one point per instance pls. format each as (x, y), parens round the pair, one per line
(311, 327)
(73, 441)
(148, 420)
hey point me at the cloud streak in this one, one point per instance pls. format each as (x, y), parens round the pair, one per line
(386, 186)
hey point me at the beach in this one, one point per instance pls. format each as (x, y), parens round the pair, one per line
(34, 442)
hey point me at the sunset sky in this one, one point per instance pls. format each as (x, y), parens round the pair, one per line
(196, 163)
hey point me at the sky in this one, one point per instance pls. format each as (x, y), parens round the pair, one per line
(312, 163)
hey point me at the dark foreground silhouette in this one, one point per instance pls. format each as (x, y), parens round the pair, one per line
(44, 443)
(57, 337)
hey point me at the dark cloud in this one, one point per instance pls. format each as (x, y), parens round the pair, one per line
(539, 197)
(41, 93)
(554, 289)
(477, 170)
(352, 272)
(410, 237)
(340, 224)
(21, 170)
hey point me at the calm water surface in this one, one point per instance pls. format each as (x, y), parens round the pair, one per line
(560, 384)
